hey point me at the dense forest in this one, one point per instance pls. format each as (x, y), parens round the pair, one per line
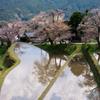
(25, 9)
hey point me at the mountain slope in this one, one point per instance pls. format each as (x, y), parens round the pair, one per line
(24, 9)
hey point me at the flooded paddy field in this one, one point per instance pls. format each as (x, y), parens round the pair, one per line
(37, 69)
(28, 80)
(75, 83)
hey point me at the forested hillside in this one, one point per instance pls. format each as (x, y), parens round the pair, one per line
(25, 9)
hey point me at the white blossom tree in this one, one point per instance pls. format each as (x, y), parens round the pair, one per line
(90, 26)
(10, 33)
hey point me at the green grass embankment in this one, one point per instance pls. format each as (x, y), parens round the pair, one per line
(92, 65)
(13, 56)
(56, 49)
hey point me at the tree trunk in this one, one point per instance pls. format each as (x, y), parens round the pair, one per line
(8, 43)
(1, 43)
(76, 33)
(98, 37)
(50, 41)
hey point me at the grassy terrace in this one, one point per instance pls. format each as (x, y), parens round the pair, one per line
(2, 52)
(96, 63)
(92, 64)
(1, 61)
(5, 70)
(93, 48)
(66, 49)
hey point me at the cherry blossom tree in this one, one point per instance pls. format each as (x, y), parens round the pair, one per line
(10, 33)
(55, 32)
(90, 26)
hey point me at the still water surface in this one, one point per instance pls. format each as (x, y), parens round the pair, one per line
(37, 68)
